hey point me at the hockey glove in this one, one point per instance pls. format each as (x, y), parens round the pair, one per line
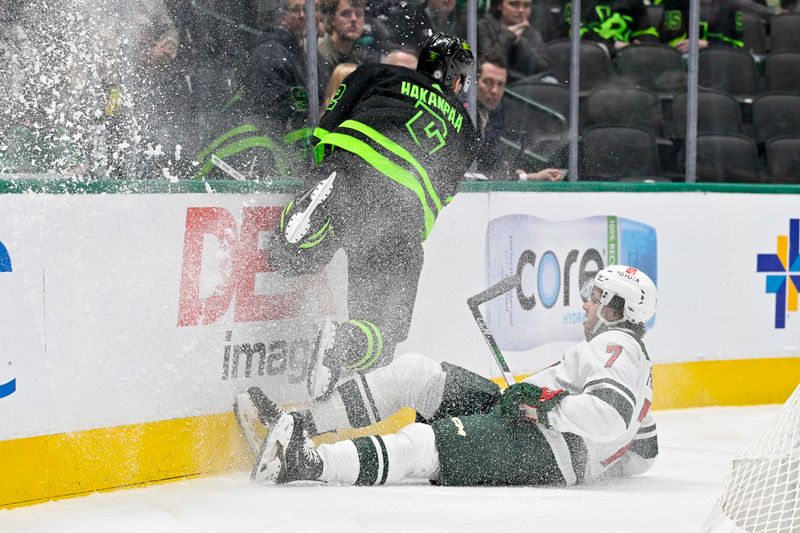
(529, 403)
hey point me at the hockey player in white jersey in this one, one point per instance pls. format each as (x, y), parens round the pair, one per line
(583, 419)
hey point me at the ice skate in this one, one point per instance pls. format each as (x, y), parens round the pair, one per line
(288, 454)
(324, 368)
(300, 222)
(254, 413)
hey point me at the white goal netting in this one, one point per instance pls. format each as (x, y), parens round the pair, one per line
(762, 491)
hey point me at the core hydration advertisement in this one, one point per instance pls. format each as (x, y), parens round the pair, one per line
(554, 260)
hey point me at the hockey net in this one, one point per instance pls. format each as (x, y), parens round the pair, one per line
(762, 491)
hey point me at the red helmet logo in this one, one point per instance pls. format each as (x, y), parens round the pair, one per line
(631, 271)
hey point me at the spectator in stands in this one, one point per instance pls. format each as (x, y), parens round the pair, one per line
(491, 160)
(720, 24)
(214, 36)
(265, 133)
(321, 31)
(216, 28)
(403, 56)
(507, 28)
(374, 40)
(341, 71)
(441, 16)
(614, 23)
(758, 8)
(156, 119)
(546, 17)
(344, 24)
(426, 18)
(273, 82)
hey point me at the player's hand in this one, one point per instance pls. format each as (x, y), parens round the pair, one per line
(683, 46)
(529, 403)
(518, 28)
(548, 174)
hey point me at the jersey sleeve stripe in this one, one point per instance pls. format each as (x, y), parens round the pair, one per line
(616, 384)
(617, 401)
(646, 448)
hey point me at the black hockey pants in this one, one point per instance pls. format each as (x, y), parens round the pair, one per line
(379, 225)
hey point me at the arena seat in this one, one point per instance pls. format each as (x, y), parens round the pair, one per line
(782, 71)
(776, 114)
(783, 159)
(657, 67)
(623, 105)
(717, 112)
(618, 151)
(784, 31)
(537, 115)
(728, 69)
(595, 68)
(727, 157)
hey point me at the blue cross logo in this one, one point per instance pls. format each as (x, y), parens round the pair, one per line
(783, 273)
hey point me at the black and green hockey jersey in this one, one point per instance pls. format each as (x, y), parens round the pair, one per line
(263, 132)
(720, 22)
(613, 20)
(250, 147)
(405, 126)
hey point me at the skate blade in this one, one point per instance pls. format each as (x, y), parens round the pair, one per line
(252, 429)
(269, 460)
(299, 223)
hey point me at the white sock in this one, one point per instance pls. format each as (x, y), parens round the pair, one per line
(411, 380)
(339, 462)
(409, 453)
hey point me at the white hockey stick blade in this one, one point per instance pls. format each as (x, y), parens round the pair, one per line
(299, 223)
(269, 459)
(247, 416)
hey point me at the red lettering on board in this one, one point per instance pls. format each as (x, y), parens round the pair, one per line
(237, 282)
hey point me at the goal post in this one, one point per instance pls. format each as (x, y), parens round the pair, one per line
(762, 491)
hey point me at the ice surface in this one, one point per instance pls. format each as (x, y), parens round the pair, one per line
(696, 447)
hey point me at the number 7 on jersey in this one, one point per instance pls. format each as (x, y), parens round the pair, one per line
(615, 350)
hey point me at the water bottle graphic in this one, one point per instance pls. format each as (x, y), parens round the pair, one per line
(554, 260)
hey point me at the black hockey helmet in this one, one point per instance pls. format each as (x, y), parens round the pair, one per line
(445, 59)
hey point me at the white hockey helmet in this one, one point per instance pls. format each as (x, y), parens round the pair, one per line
(633, 286)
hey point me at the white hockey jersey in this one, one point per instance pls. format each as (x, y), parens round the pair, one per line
(603, 427)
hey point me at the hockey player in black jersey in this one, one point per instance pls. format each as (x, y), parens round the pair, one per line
(391, 149)
(583, 419)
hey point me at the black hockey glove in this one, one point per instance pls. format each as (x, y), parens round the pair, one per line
(529, 403)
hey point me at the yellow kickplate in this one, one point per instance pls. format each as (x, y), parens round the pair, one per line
(725, 382)
(37, 469)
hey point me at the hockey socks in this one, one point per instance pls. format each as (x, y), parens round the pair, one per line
(377, 460)
(411, 380)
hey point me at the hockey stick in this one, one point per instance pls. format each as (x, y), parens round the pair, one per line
(474, 302)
